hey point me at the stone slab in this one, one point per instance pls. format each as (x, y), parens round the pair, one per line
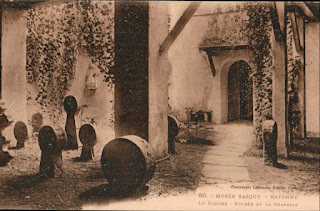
(225, 172)
(221, 152)
(229, 147)
(223, 160)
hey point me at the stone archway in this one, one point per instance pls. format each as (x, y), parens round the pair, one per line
(240, 98)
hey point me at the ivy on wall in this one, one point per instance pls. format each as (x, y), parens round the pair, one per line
(258, 30)
(226, 29)
(55, 34)
(294, 69)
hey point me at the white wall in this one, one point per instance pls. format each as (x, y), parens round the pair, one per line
(191, 82)
(100, 105)
(13, 58)
(312, 78)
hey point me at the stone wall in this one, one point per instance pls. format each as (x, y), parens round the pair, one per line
(312, 79)
(97, 108)
(191, 82)
(13, 59)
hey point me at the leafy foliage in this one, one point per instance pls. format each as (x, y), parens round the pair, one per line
(258, 30)
(225, 29)
(55, 34)
(294, 69)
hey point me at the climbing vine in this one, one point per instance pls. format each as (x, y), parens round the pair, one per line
(55, 34)
(258, 31)
(294, 68)
(225, 29)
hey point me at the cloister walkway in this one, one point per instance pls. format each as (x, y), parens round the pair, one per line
(224, 162)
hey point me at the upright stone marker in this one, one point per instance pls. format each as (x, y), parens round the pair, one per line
(20, 133)
(70, 106)
(51, 142)
(88, 138)
(173, 130)
(5, 121)
(270, 134)
(36, 122)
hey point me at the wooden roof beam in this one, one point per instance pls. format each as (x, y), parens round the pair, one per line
(306, 11)
(295, 29)
(183, 20)
(277, 17)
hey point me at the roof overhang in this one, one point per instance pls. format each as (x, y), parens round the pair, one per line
(26, 4)
(310, 10)
(224, 47)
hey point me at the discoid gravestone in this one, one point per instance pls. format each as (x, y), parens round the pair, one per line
(36, 122)
(173, 130)
(70, 106)
(88, 138)
(20, 133)
(51, 140)
(270, 134)
(5, 122)
(128, 163)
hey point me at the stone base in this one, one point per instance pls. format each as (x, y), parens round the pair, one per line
(51, 165)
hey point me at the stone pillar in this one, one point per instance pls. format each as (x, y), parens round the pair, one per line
(13, 58)
(279, 93)
(159, 67)
(131, 61)
(141, 93)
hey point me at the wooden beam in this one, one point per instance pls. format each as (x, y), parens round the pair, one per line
(300, 22)
(213, 69)
(295, 29)
(174, 33)
(306, 10)
(278, 30)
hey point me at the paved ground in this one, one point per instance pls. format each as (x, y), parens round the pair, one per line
(224, 162)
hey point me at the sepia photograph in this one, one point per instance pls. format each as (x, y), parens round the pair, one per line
(159, 105)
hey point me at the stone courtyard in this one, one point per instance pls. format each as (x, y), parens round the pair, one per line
(194, 167)
(150, 104)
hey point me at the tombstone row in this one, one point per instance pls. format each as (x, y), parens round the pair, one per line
(53, 139)
(127, 162)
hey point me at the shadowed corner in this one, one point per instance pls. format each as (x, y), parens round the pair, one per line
(25, 182)
(202, 141)
(105, 193)
(280, 166)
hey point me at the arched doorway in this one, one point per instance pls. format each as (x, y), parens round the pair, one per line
(240, 103)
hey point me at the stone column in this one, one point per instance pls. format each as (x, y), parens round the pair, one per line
(13, 58)
(141, 93)
(131, 61)
(279, 93)
(159, 67)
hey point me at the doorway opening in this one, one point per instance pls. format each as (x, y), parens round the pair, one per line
(240, 96)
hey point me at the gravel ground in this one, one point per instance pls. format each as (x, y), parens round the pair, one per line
(83, 183)
(299, 173)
